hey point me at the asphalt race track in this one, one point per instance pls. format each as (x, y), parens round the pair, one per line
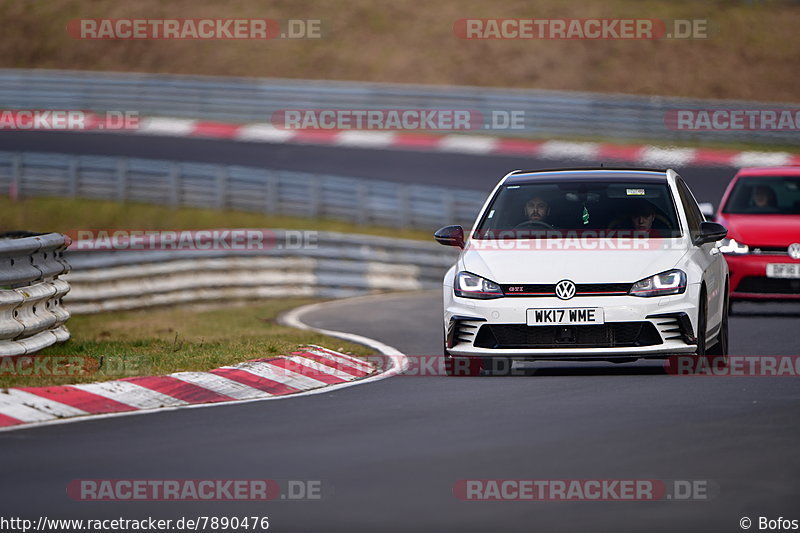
(480, 172)
(389, 453)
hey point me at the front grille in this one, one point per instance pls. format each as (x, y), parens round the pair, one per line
(769, 250)
(581, 289)
(759, 285)
(610, 335)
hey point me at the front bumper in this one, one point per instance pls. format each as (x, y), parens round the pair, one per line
(469, 315)
(749, 281)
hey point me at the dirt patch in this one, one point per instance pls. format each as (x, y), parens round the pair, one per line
(751, 54)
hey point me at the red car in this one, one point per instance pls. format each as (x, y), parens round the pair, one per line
(761, 209)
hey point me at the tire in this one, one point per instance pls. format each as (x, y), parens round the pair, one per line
(705, 358)
(718, 354)
(702, 325)
(699, 360)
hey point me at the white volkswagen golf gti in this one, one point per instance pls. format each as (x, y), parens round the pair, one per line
(586, 264)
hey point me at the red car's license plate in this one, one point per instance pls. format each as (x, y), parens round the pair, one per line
(783, 270)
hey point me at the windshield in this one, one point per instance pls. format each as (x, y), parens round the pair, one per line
(591, 208)
(767, 195)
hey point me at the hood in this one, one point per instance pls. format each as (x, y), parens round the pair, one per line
(762, 230)
(580, 266)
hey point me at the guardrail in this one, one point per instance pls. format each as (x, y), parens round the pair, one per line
(336, 265)
(546, 113)
(31, 314)
(176, 184)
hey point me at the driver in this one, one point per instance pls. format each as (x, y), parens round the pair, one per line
(764, 196)
(537, 209)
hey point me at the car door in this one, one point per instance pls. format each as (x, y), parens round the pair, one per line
(707, 256)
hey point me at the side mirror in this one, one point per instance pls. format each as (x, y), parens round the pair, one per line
(711, 232)
(450, 236)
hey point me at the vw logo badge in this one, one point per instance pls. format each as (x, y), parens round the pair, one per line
(794, 250)
(565, 289)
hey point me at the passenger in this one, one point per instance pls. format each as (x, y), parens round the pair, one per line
(642, 216)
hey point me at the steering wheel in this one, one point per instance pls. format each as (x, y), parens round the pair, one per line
(533, 224)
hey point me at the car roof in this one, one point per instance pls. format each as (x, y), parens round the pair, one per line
(792, 170)
(587, 174)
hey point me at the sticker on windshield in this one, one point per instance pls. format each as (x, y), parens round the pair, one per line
(635, 192)
(491, 214)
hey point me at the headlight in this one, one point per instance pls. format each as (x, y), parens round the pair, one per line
(472, 286)
(730, 246)
(666, 283)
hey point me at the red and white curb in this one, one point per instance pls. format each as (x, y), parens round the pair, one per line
(313, 370)
(647, 155)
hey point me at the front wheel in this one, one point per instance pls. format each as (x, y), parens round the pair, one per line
(702, 326)
(718, 354)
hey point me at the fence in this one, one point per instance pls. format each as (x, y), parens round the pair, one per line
(176, 184)
(31, 314)
(336, 265)
(546, 113)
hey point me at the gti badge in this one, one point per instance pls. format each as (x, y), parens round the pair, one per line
(565, 289)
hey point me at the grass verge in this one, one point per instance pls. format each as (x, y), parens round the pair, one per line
(161, 341)
(69, 215)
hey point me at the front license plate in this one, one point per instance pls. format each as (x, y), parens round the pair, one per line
(564, 316)
(783, 270)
